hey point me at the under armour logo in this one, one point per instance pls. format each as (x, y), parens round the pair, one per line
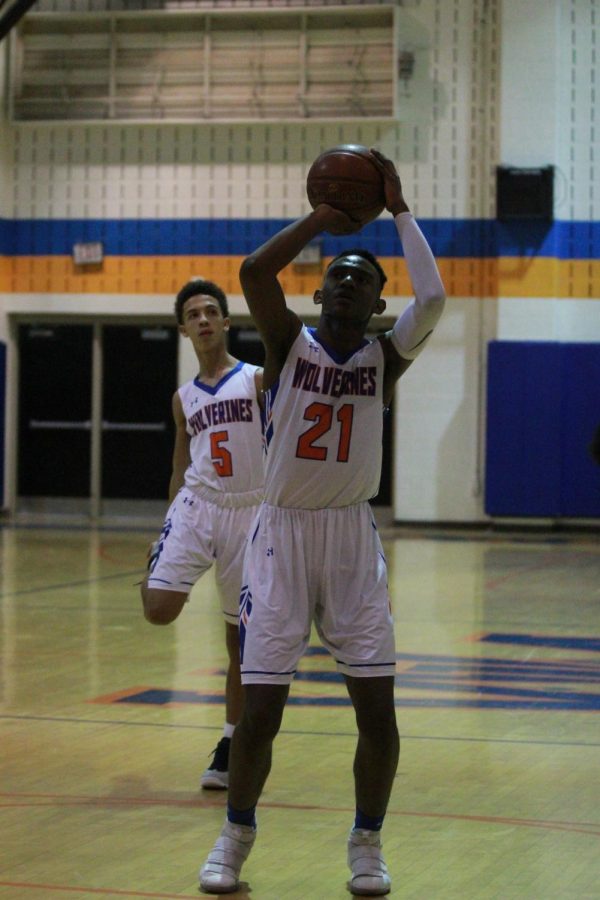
(269, 551)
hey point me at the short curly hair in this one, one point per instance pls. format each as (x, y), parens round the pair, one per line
(200, 286)
(364, 254)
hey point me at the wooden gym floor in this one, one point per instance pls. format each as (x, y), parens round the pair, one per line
(106, 723)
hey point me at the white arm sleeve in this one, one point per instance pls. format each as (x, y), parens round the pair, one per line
(413, 328)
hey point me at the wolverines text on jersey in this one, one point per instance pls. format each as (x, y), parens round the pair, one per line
(323, 426)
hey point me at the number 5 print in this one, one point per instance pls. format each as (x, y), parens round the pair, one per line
(220, 456)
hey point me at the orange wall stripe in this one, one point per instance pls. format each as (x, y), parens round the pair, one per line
(463, 277)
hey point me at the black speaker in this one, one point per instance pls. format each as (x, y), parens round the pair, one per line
(524, 193)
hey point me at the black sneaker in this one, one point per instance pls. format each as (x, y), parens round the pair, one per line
(216, 777)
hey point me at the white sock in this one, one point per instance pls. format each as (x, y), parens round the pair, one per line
(228, 730)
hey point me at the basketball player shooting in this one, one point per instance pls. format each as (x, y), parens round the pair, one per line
(315, 554)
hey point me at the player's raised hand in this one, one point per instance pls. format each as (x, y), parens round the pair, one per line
(394, 198)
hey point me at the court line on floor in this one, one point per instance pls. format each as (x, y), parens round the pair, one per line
(35, 800)
(405, 737)
(112, 892)
(541, 564)
(71, 584)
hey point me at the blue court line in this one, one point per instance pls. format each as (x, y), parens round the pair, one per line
(514, 698)
(573, 697)
(69, 720)
(461, 668)
(575, 666)
(163, 697)
(459, 677)
(578, 665)
(518, 672)
(499, 669)
(485, 703)
(538, 640)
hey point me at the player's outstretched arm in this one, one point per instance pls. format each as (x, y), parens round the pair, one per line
(277, 324)
(414, 327)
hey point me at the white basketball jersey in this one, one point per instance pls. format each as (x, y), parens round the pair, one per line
(224, 424)
(324, 426)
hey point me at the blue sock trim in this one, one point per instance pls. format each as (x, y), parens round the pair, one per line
(241, 816)
(371, 823)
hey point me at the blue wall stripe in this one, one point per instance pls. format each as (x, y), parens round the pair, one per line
(5, 236)
(453, 238)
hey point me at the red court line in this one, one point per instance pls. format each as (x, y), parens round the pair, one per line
(113, 892)
(475, 637)
(570, 827)
(104, 554)
(118, 695)
(62, 801)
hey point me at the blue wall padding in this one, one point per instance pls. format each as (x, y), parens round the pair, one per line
(2, 418)
(543, 405)
(523, 423)
(580, 475)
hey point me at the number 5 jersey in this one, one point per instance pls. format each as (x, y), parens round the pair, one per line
(226, 448)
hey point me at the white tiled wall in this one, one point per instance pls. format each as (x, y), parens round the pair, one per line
(502, 81)
(437, 445)
(5, 175)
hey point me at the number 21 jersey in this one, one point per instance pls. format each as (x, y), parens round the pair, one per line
(323, 426)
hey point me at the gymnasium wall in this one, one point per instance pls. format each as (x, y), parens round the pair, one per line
(532, 103)
(4, 217)
(494, 82)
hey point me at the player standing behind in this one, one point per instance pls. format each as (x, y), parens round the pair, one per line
(315, 554)
(215, 488)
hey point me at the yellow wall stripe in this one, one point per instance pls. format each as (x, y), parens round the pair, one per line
(463, 277)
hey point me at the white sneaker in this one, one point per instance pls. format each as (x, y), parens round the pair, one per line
(369, 872)
(221, 871)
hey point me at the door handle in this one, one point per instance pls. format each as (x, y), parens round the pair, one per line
(47, 425)
(133, 426)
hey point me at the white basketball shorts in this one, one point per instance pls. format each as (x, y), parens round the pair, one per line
(324, 566)
(196, 535)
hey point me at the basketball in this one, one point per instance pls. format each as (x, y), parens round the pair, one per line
(346, 178)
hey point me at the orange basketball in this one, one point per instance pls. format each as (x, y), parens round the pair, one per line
(346, 178)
